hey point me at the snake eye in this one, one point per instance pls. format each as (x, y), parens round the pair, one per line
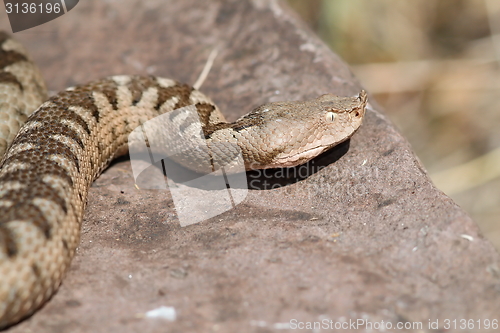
(330, 116)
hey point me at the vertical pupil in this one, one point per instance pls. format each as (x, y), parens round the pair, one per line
(330, 116)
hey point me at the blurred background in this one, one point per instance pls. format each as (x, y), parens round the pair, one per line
(434, 66)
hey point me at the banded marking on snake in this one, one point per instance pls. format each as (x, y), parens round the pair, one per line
(55, 154)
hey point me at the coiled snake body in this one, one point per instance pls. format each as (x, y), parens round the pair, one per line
(71, 138)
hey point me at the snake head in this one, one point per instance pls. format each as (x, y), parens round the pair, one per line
(296, 132)
(287, 134)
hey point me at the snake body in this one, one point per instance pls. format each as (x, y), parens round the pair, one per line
(70, 139)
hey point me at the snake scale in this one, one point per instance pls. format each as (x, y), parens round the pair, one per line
(69, 139)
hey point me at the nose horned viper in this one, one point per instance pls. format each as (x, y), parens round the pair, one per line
(51, 150)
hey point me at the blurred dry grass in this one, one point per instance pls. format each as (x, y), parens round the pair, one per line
(435, 68)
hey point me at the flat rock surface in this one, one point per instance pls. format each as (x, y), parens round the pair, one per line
(361, 234)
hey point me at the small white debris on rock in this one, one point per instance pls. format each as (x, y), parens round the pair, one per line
(163, 312)
(468, 237)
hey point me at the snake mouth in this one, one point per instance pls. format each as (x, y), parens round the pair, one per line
(299, 158)
(303, 156)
